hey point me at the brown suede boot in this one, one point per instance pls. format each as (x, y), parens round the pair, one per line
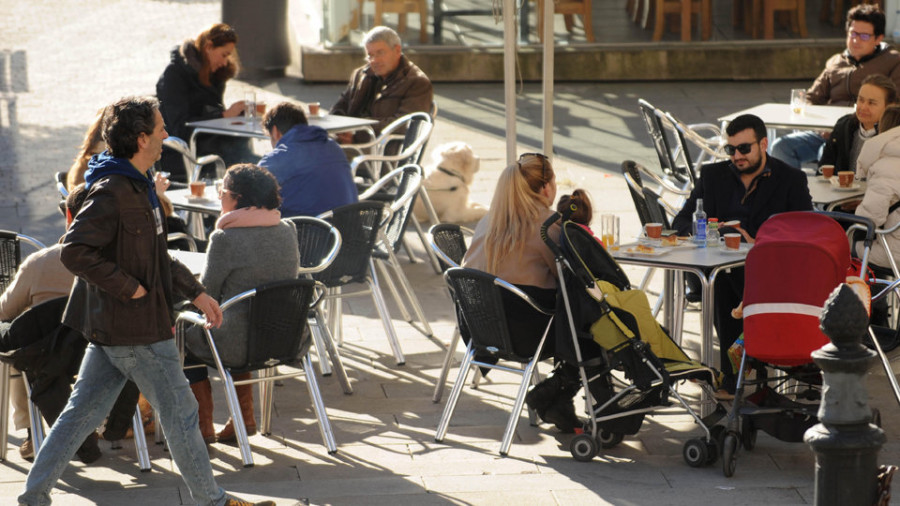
(203, 392)
(245, 399)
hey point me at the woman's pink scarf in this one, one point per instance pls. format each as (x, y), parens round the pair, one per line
(249, 217)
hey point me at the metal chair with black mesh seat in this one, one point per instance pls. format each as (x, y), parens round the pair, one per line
(319, 244)
(479, 299)
(11, 254)
(416, 130)
(448, 240)
(277, 334)
(407, 181)
(359, 225)
(680, 174)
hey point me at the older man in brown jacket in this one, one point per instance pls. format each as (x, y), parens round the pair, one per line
(388, 87)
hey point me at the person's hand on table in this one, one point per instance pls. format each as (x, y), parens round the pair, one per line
(210, 308)
(344, 137)
(236, 109)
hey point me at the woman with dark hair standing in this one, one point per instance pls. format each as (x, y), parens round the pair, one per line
(250, 246)
(192, 88)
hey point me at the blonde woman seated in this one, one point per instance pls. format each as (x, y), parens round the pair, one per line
(251, 246)
(507, 244)
(879, 164)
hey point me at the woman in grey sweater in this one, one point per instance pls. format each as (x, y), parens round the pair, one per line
(251, 246)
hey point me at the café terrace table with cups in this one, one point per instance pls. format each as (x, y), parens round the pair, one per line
(706, 262)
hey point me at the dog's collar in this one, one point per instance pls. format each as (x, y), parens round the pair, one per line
(449, 172)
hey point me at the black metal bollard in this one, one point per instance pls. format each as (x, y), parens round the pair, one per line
(846, 444)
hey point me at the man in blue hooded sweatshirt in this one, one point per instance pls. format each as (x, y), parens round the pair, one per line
(122, 303)
(310, 167)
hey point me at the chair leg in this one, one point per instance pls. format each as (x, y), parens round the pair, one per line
(324, 365)
(266, 394)
(378, 298)
(432, 257)
(659, 23)
(237, 418)
(4, 409)
(444, 422)
(445, 368)
(410, 294)
(527, 378)
(318, 406)
(392, 288)
(37, 424)
(140, 441)
(333, 353)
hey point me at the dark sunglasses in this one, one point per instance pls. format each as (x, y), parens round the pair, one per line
(741, 148)
(544, 166)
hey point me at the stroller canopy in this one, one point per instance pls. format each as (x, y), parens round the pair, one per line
(798, 259)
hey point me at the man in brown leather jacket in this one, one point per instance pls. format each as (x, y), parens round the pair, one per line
(122, 303)
(388, 87)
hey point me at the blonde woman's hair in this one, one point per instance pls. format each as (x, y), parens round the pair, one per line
(90, 146)
(517, 204)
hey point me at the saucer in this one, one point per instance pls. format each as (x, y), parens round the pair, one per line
(198, 200)
(744, 248)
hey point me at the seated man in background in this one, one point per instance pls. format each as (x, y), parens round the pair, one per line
(840, 81)
(750, 187)
(310, 167)
(40, 278)
(853, 130)
(388, 87)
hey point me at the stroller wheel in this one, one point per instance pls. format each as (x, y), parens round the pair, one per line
(610, 439)
(729, 454)
(583, 447)
(695, 452)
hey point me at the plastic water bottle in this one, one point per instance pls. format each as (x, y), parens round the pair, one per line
(712, 232)
(700, 225)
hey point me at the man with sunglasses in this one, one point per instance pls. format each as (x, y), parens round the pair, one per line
(748, 188)
(840, 81)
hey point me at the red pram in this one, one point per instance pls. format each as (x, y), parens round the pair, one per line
(799, 258)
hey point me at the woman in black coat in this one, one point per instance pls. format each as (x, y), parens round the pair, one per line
(192, 88)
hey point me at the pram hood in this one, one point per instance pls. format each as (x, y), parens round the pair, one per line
(798, 259)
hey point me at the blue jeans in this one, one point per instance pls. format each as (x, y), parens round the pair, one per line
(156, 369)
(798, 148)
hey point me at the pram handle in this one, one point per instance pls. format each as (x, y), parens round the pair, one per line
(859, 223)
(557, 253)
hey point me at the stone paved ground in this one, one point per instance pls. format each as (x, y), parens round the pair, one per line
(82, 55)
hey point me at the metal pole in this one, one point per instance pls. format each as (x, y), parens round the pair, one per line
(845, 441)
(509, 77)
(549, 45)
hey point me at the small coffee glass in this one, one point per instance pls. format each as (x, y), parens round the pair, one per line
(609, 230)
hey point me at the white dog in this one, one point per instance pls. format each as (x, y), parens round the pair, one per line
(447, 180)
